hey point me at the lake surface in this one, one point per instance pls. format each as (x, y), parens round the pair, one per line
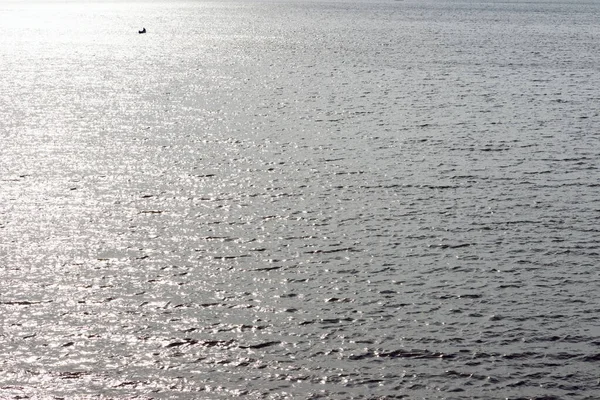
(300, 199)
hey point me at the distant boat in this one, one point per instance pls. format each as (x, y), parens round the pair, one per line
(142, 31)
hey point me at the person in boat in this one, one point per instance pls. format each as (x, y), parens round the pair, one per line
(142, 31)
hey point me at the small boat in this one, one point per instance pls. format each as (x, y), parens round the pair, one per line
(142, 31)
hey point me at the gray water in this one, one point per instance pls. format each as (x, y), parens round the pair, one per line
(300, 199)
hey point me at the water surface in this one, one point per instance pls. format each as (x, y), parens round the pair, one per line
(299, 199)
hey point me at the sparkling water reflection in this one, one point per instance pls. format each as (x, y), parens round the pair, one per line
(299, 200)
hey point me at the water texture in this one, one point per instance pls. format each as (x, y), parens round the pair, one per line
(285, 199)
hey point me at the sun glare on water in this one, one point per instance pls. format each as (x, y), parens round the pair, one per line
(45, 22)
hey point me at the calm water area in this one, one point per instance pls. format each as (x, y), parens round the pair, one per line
(300, 199)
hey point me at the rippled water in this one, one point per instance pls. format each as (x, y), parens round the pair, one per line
(285, 199)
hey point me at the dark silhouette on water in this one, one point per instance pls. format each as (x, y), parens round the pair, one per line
(142, 31)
